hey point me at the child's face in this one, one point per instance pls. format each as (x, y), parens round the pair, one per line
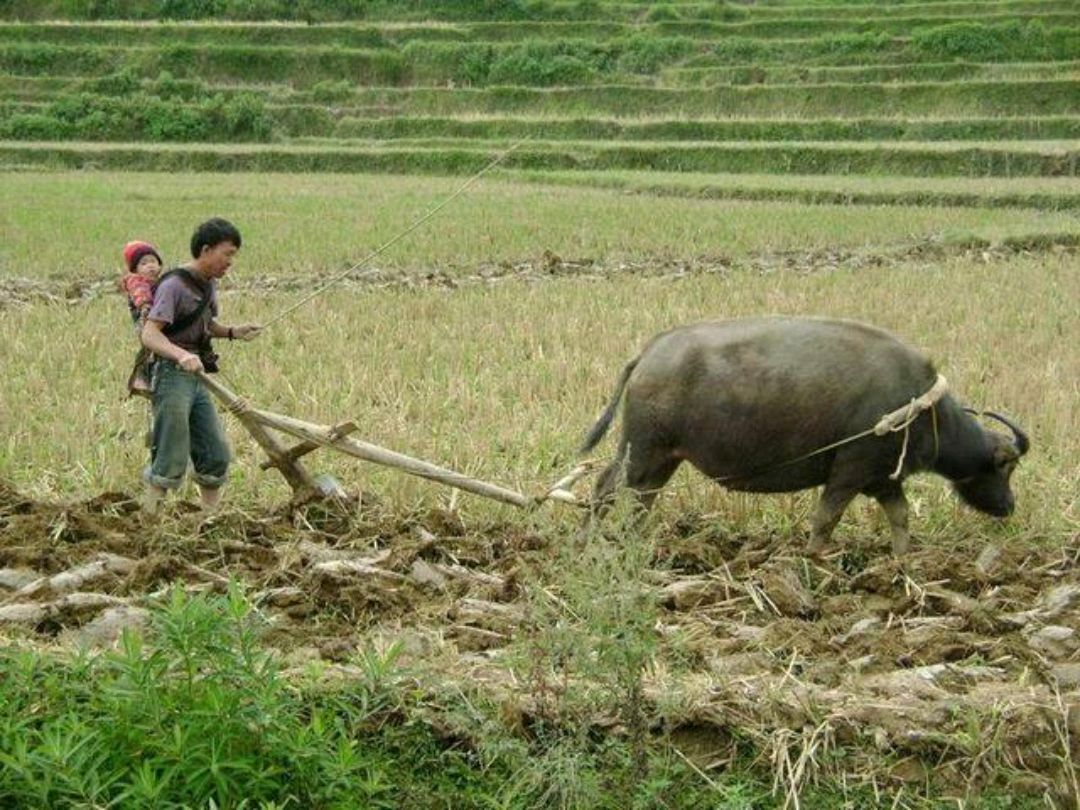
(148, 266)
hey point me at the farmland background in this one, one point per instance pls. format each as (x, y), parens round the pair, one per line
(910, 164)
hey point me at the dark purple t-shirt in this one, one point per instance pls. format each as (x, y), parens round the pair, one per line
(177, 297)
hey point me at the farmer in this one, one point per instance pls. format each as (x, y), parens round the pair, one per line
(178, 329)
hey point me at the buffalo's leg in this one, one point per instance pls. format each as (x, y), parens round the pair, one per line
(648, 470)
(834, 500)
(895, 506)
(645, 470)
(606, 483)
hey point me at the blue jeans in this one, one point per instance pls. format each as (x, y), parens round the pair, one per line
(186, 425)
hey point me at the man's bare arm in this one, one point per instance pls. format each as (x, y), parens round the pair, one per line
(242, 332)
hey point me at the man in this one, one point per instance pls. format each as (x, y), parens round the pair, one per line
(178, 329)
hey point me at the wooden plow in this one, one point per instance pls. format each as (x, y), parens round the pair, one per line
(312, 436)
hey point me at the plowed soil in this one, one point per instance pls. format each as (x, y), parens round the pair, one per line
(964, 662)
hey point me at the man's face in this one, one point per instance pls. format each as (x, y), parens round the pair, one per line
(217, 260)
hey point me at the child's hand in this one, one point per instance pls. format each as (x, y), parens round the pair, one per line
(247, 331)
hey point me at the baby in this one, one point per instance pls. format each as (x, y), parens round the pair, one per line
(143, 264)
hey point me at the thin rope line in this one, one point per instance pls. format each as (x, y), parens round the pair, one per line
(319, 291)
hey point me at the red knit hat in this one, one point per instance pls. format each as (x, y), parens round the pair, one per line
(133, 251)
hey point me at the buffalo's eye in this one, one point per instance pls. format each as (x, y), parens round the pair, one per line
(1005, 465)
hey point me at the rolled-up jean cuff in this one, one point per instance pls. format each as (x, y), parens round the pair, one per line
(211, 481)
(161, 481)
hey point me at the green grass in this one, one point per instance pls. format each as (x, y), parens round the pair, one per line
(949, 99)
(738, 129)
(367, 35)
(538, 55)
(119, 106)
(301, 65)
(1043, 193)
(949, 159)
(330, 220)
(1024, 158)
(548, 10)
(946, 8)
(913, 72)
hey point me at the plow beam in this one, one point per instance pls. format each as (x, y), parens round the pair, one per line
(313, 436)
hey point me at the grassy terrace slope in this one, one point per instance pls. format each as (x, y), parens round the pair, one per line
(1051, 194)
(950, 159)
(807, 89)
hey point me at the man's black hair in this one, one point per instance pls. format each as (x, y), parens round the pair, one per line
(212, 233)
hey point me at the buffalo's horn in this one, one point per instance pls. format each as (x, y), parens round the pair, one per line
(1022, 442)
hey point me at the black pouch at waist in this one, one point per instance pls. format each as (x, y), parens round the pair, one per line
(209, 358)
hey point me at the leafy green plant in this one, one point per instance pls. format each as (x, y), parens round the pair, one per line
(1012, 40)
(328, 91)
(661, 12)
(199, 712)
(190, 9)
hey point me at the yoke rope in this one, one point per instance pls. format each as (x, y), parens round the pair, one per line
(394, 240)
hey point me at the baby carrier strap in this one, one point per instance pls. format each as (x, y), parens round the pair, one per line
(183, 323)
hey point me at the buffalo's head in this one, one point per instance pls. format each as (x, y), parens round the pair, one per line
(988, 489)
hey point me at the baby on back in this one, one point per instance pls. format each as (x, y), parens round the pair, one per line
(143, 266)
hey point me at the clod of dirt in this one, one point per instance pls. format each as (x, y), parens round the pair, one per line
(739, 665)
(51, 617)
(281, 597)
(1054, 641)
(118, 503)
(444, 523)
(104, 566)
(691, 592)
(988, 562)
(470, 638)
(864, 628)
(1058, 599)
(346, 571)
(12, 579)
(1067, 676)
(106, 629)
(488, 615)
(786, 592)
(337, 649)
(425, 574)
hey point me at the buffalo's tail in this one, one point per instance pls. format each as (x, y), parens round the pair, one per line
(597, 431)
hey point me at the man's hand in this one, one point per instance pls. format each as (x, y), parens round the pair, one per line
(191, 363)
(247, 331)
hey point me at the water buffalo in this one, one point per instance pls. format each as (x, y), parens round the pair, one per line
(746, 401)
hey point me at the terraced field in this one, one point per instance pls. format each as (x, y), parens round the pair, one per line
(849, 91)
(913, 164)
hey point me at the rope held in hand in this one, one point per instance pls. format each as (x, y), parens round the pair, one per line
(397, 238)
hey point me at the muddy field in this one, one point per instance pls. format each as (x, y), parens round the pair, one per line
(965, 662)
